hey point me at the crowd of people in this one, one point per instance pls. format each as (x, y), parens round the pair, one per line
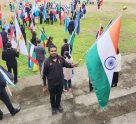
(53, 67)
(57, 70)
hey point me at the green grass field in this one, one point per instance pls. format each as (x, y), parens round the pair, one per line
(89, 27)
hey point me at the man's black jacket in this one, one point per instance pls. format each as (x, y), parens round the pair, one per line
(9, 55)
(65, 47)
(53, 71)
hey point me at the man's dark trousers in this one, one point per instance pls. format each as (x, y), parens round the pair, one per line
(5, 98)
(14, 70)
(55, 95)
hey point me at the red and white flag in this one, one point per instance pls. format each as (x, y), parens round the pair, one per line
(13, 39)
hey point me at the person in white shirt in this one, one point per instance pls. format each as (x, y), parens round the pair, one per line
(117, 70)
(67, 72)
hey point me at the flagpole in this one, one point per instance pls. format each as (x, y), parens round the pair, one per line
(108, 25)
(9, 90)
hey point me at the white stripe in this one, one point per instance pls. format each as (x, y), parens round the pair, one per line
(22, 46)
(13, 42)
(105, 50)
(31, 49)
(31, 52)
(6, 78)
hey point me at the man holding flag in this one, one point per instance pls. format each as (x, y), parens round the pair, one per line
(71, 26)
(53, 72)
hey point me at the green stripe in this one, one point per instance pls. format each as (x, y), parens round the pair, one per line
(43, 37)
(98, 76)
(34, 57)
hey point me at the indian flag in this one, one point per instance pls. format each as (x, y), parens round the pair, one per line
(32, 62)
(101, 61)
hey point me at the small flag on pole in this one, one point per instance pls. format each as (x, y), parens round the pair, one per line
(32, 62)
(44, 38)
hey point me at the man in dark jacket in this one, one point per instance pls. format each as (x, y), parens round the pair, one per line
(53, 71)
(34, 38)
(41, 16)
(5, 98)
(51, 17)
(40, 54)
(65, 47)
(9, 55)
(4, 37)
(49, 42)
(71, 26)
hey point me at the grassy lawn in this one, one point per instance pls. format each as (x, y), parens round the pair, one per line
(89, 27)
